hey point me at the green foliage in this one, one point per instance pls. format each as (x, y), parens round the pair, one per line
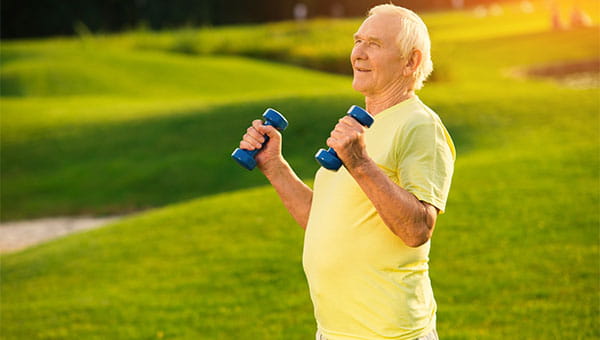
(515, 256)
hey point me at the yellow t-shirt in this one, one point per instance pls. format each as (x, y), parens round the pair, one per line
(365, 283)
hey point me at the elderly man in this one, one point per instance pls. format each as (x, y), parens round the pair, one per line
(369, 225)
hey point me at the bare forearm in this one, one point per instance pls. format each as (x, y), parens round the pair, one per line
(295, 195)
(407, 217)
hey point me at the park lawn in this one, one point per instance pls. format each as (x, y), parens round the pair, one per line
(196, 270)
(515, 255)
(140, 142)
(115, 124)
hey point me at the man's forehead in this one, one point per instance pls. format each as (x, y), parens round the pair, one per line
(358, 35)
(378, 27)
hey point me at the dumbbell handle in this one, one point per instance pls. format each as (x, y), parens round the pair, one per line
(244, 157)
(329, 158)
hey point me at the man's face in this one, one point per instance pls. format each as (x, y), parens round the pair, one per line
(376, 59)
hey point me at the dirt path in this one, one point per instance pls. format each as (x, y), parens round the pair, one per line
(16, 236)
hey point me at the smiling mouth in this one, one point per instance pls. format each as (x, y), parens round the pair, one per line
(358, 69)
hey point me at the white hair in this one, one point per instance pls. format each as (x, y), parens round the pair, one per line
(413, 35)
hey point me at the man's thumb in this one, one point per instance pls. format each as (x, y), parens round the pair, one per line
(270, 131)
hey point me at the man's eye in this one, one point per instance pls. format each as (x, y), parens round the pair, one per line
(373, 44)
(356, 42)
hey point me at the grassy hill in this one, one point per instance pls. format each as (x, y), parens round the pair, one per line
(196, 270)
(114, 124)
(515, 256)
(131, 140)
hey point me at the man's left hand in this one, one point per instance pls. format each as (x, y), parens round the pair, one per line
(347, 138)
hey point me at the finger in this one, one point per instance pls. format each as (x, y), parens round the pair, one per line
(257, 123)
(263, 130)
(337, 134)
(251, 139)
(342, 130)
(270, 131)
(246, 145)
(255, 134)
(350, 122)
(331, 142)
(255, 142)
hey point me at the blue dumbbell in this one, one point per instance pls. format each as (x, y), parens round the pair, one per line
(328, 158)
(246, 157)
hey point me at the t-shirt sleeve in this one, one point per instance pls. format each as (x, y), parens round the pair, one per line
(425, 162)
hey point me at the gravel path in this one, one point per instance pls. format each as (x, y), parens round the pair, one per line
(16, 236)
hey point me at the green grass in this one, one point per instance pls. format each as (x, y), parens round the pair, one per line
(115, 168)
(162, 133)
(326, 44)
(515, 256)
(186, 274)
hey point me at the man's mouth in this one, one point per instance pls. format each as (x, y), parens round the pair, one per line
(360, 69)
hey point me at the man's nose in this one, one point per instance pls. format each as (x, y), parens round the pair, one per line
(358, 52)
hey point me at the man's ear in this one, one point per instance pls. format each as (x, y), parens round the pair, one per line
(413, 62)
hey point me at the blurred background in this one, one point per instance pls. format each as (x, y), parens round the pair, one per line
(123, 114)
(35, 18)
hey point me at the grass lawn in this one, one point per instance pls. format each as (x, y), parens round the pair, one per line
(139, 142)
(133, 126)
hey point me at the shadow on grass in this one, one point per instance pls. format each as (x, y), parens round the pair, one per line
(116, 168)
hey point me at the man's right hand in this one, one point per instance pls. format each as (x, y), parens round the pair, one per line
(270, 155)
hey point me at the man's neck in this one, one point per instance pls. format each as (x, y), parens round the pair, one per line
(376, 103)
